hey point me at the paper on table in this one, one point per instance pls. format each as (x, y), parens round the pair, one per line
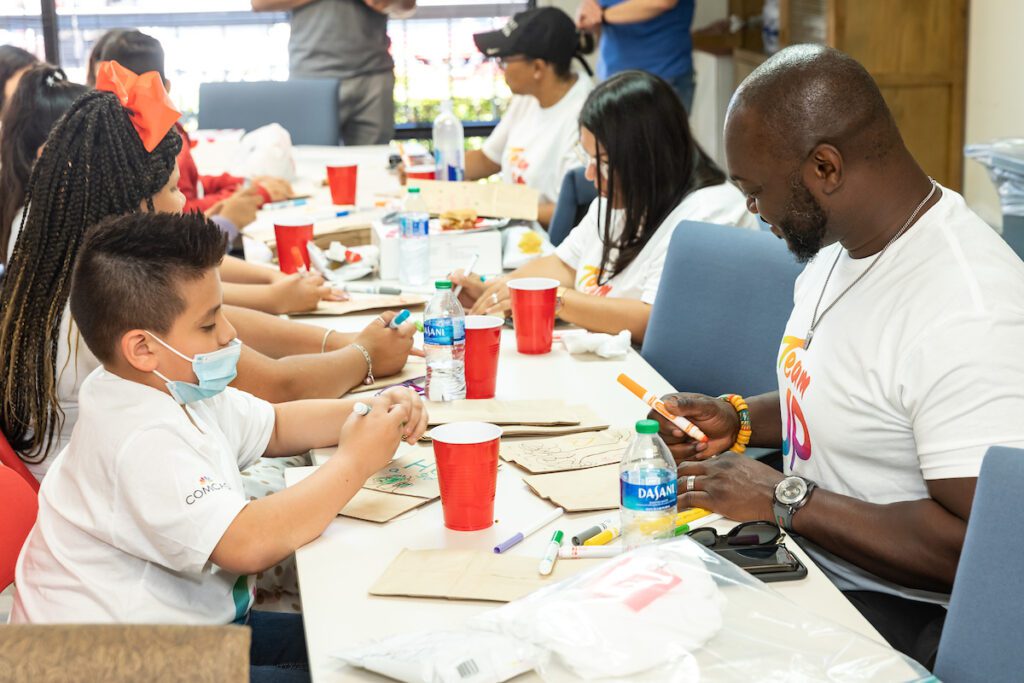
(532, 413)
(497, 200)
(364, 302)
(414, 473)
(415, 368)
(596, 488)
(572, 452)
(368, 505)
(468, 575)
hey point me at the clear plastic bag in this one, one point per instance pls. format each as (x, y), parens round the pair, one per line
(1004, 160)
(671, 612)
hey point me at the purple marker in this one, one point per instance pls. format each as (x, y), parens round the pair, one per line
(540, 524)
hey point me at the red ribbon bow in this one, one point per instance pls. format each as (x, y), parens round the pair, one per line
(150, 109)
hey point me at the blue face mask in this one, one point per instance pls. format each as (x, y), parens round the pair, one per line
(214, 370)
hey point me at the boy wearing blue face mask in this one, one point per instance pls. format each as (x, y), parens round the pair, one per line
(142, 517)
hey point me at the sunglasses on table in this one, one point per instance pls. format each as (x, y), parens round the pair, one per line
(746, 535)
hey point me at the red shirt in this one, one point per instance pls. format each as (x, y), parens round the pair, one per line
(214, 187)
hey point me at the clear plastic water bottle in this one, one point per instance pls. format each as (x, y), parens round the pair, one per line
(647, 484)
(449, 144)
(413, 244)
(444, 342)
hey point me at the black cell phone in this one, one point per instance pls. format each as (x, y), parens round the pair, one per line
(768, 563)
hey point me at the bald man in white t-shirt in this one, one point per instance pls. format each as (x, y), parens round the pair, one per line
(901, 362)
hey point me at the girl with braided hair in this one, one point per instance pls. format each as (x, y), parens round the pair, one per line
(94, 165)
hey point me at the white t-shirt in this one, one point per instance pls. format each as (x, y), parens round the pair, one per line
(912, 376)
(74, 363)
(581, 249)
(534, 145)
(132, 509)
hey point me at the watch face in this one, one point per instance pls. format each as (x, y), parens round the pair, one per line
(791, 490)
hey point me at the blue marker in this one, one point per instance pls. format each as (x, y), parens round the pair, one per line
(402, 316)
(332, 214)
(286, 203)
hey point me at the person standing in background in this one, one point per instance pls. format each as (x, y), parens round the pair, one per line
(348, 40)
(648, 35)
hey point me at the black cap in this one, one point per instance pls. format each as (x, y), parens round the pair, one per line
(545, 33)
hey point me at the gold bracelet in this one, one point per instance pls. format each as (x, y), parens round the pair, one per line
(323, 344)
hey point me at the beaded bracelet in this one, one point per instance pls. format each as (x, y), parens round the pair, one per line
(743, 410)
(369, 362)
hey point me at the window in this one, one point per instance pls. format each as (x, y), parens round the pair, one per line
(216, 40)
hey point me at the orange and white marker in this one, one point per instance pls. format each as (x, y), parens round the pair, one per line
(690, 429)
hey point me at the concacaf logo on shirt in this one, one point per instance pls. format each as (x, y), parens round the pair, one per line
(206, 487)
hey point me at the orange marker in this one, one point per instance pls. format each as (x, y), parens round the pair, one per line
(656, 403)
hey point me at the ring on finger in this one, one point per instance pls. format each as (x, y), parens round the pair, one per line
(494, 298)
(690, 481)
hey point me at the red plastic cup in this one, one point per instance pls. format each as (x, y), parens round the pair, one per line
(533, 311)
(342, 180)
(421, 172)
(292, 238)
(483, 341)
(467, 472)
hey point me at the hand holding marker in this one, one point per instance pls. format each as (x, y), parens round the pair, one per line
(656, 403)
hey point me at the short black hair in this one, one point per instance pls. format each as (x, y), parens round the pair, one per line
(135, 51)
(130, 271)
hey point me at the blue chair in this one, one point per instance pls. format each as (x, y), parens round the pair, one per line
(721, 310)
(306, 108)
(983, 625)
(574, 199)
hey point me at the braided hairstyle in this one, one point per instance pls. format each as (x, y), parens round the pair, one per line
(43, 95)
(92, 166)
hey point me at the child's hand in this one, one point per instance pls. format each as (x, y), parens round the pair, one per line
(372, 439)
(299, 292)
(417, 424)
(240, 208)
(278, 188)
(389, 349)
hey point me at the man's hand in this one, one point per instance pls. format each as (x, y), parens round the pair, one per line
(588, 15)
(715, 417)
(730, 484)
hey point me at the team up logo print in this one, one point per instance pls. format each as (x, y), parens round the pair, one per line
(587, 282)
(206, 486)
(796, 438)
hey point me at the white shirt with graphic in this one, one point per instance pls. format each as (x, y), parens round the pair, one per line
(914, 374)
(581, 249)
(131, 510)
(535, 146)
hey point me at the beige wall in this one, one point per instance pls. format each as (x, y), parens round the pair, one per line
(995, 91)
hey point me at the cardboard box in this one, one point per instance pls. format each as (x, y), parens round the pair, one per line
(448, 251)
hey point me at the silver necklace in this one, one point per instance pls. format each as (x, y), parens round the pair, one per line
(816, 319)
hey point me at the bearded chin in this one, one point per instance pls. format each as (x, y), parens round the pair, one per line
(805, 242)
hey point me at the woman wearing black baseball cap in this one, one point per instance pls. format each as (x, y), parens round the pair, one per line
(534, 142)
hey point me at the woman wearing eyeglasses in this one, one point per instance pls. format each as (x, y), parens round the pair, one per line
(650, 174)
(533, 143)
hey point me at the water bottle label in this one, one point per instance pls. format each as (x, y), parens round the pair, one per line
(414, 226)
(648, 497)
(444, 331)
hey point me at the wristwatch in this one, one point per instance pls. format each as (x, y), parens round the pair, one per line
(791, 494)
(559, 299)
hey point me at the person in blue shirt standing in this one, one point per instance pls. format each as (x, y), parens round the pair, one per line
(649, 35)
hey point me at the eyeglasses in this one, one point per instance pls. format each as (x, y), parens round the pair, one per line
(745, 534)
(587, 160)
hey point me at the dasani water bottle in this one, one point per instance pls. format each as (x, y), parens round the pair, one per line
(413, 243)
(444, 343)
(647, 484)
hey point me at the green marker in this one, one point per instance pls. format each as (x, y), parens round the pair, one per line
(547, 564)
(680, 530)
(419, 325)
